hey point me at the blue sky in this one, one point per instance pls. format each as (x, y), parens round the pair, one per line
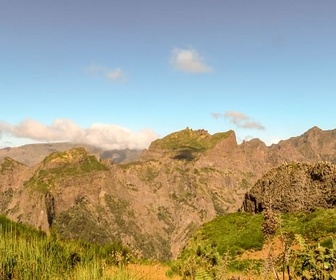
(120, 74)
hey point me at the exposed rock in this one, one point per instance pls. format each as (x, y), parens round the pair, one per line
(155, 204)
(294, 187)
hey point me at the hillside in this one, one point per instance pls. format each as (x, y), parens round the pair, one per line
(32, 154)
(236, 244)
(156, 203)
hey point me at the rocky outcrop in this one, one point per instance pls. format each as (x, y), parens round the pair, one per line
(294, 187)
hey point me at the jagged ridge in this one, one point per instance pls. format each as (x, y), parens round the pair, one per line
(155, 204)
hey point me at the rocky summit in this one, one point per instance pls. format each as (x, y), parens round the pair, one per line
(295, 187)
(157, 201)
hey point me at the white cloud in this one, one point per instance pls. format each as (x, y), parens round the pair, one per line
(189, 60)
(239, 119)
(107, 136)
(116, 75)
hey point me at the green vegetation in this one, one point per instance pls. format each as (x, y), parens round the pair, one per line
(60, 164)
(212, 250)
(233, 233)
(8, 164)
(75, 154)
(78, 223)
(187, 143)
(308, 250)
(75, 161)
(26, 253)
(216, 249)
(313, 262)
(199, 261)
(315, 226)
(150, 173)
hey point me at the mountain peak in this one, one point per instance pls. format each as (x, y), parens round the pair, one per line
(73, 155)
(314, 130)
(8, 163)
(199, 139)
(185, 144)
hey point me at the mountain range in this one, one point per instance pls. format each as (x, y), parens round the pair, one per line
(151, 200)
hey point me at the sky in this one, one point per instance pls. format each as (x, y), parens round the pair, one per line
(120, 74)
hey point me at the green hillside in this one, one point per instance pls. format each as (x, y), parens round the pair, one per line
(219, 245)
(26, 253)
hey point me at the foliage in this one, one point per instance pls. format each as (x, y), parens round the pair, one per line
(234, 233)
(314, 226)
(26, 253)
(245, 265)
(309, 250)
(197, 139)
(214, 247)
(226, 237)
(314, 262)
(79, 223)
(188, 143)
(60, 164)
(199, 261)
(7, 226)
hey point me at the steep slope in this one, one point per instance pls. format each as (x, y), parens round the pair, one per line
(313, 145)
(12, 176)
(296, 187)
(155, 204)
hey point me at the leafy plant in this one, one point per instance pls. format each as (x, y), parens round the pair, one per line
(26, 253)
(314, 262)
(199, 261)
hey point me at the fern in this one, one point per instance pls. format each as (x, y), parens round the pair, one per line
(316, 262)
(202, 274)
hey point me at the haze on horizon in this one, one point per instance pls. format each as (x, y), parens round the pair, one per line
(120, 74)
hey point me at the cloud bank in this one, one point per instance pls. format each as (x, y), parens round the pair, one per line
(114, 75)
(106, 136)
(189, 60)
(240, 120)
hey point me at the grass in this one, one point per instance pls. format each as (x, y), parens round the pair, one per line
(314, 226)
(237, 232)
(233, 233)
(26, 253)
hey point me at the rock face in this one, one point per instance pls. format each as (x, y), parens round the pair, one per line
(295, 187)
(156, 203)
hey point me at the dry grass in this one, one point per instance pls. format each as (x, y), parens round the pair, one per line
(155, 271)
